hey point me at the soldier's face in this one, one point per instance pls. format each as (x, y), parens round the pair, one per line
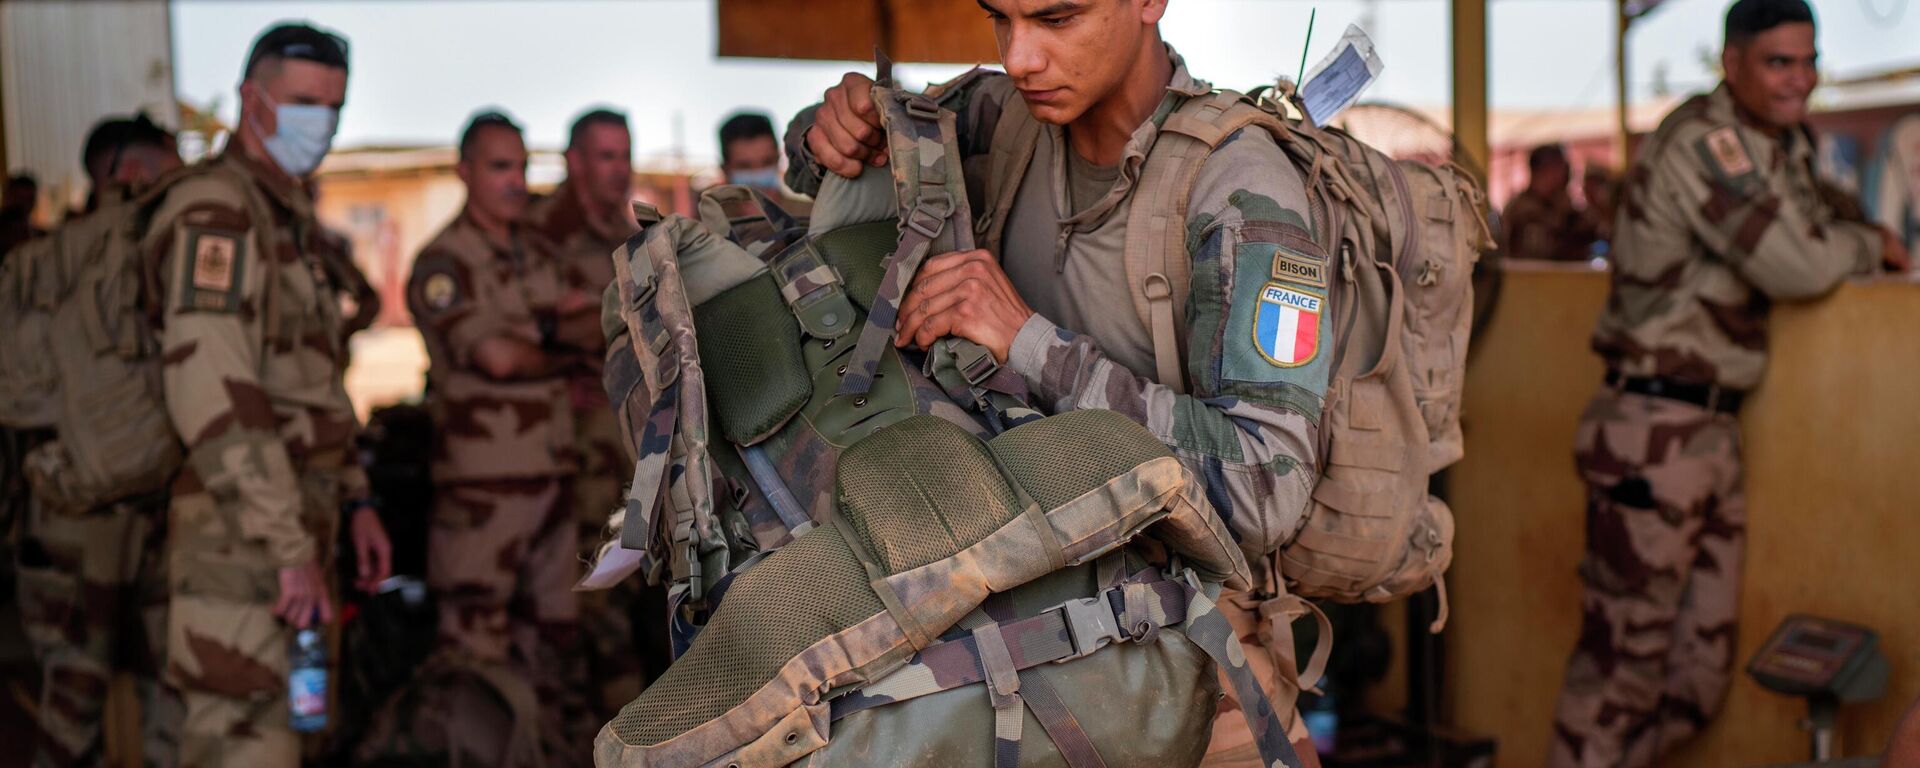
(1067, 55)
(291, 81)
(495, 172)
(602, 163)
(1772, 75)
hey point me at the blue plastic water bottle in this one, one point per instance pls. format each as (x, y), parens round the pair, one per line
(307, 681)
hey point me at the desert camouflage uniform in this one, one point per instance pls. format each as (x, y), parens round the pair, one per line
(253, 363)
(1547, 228)
(1719, 219)
(501, 553)
(620, 656)
(93, 600)
(1249, 427)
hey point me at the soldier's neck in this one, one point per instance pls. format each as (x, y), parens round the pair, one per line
(498, 230)
(253, 149)
(1100, 135)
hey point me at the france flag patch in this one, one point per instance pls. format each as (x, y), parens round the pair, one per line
(1286, 326)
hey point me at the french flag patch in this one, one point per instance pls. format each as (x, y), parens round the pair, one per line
(1286, 326)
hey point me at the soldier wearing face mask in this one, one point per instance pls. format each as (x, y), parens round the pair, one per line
(253, 357)
(750, 156)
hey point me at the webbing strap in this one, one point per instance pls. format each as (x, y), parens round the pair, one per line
(1074, 629)
(924, 152)
(813, 291)
(771, 486)
(1003, 690)
(1207, 627)
(1061, 726)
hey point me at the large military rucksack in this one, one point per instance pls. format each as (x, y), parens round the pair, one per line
(932, 574)
(1402, 239)
(79, 355)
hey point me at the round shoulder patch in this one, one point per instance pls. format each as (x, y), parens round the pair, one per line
(439, 291)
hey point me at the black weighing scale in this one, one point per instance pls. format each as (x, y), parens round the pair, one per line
(1826, 662)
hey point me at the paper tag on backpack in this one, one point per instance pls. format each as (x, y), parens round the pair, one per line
(1339, 79)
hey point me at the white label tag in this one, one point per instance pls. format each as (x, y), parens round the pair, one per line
(1339, 79)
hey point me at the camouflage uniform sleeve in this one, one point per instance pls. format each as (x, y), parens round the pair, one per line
(1789, 249)
(447, 301)
(1249, 427)
(213, 279)
(975, 98)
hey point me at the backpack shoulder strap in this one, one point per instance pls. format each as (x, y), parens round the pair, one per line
(1014, 138)
(1158, 265)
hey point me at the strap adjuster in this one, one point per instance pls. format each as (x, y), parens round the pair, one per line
(921, 107)
(930, 213)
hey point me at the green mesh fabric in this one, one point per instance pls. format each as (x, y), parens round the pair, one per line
(750, 352)
(922, 490)
(805, 592)
(859, 253)
(1058, 459)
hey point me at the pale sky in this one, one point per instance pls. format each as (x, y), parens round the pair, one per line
(421, 68)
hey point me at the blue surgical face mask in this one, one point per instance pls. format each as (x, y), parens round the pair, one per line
(758, 178)
(302, 137)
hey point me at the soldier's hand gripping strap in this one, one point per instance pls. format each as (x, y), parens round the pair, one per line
(923, 152)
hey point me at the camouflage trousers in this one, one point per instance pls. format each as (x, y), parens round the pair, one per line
(226, 650)
(502, 562)
(1252, 618)
(1666, 524)
(622, 649)
(93, 600)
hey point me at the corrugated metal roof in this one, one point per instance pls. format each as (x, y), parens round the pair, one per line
(63, 66)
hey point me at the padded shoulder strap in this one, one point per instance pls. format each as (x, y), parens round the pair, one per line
(1014, 138)
(1157, 262)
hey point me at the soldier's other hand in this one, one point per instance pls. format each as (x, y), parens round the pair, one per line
(371, 549)
(846, 136)
(303, 596)
(1893, 252)
(964, 294)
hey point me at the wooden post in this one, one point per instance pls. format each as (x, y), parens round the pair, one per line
(1470, 79)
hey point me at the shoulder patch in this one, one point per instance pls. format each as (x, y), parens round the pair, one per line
(214, 270)
(439, 291)
(1286, 325)
(1297, 268)
(1727, 153)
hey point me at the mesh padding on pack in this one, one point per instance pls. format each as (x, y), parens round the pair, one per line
(803, 593)
(922, 490)
(860, 252)
(750, 350)
(1058, 459)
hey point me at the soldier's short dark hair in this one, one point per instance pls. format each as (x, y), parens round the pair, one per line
(601, 116)
(487, 118)
(742, 126)
(1748, 18)
(1545, 155)
(296, 40)
(113, 136)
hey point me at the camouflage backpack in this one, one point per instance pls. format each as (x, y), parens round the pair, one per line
(79, 355)
(1404, 237)
(933, 575)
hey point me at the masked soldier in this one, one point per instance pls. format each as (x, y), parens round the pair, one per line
(253, 350)
(1719, 219)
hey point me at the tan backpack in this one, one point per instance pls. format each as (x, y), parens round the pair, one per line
(79, 355)
(1404, 237)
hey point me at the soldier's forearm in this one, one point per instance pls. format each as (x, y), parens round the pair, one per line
(803, 174)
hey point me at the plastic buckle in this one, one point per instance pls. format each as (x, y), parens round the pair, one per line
(931, 200)
(1091, 624)
(979, 369)
(643, 292)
